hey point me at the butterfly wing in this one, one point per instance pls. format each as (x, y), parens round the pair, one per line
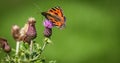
(49, 16)
(55, 15)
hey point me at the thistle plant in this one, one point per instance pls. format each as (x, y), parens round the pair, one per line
(27, 49)
(4, 45)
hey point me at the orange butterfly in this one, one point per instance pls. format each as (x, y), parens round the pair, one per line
(55, 15)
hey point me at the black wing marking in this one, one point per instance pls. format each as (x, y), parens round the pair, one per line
(47, 14)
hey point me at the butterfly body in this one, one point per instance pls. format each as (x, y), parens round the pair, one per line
(55, 15)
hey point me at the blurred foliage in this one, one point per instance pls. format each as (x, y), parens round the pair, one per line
(27, 54)
(91, 34)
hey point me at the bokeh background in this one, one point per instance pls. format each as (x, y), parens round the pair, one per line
(91, 34)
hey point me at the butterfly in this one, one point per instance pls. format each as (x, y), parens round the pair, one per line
(55, 15)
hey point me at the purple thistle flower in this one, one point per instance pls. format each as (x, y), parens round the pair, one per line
(48, 28)
(48, 24)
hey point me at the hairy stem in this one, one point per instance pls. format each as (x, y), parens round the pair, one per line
(41, 51)
(44, 45)
(46, 41)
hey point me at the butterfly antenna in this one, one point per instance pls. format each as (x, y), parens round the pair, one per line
(37, 6)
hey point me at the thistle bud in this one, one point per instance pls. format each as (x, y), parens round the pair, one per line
(47, 32)
(15, 32)
(4, 45)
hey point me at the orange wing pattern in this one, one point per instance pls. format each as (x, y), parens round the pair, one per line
(55, 15)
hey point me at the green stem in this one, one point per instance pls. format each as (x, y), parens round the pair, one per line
(44, 45)
(8, 56)
(46, 41)
(42, 49)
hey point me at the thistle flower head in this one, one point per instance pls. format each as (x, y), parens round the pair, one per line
(15, 32)
(48, 28)
(31, 31)
(28, 32)
(48, 24)
(4, 45)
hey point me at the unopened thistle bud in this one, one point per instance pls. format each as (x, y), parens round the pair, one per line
(4, 45)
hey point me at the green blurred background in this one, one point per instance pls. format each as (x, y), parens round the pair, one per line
(91, 34)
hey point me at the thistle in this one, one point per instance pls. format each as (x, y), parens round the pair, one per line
(48, 28)
(28, 32)
(4, 45)
(16, 35)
